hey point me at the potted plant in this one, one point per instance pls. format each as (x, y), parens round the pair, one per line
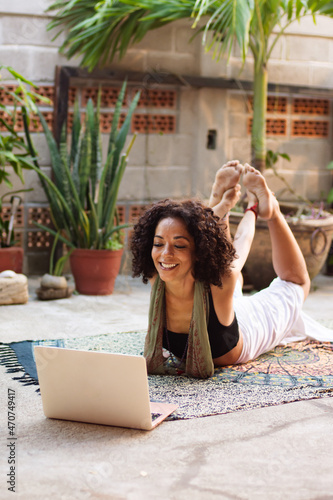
(11, 256)
(53, 284)
(14, 153)
(84, 192)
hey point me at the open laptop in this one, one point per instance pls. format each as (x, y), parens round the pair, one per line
(97, 387)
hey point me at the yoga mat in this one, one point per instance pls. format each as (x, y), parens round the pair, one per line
(299, 371)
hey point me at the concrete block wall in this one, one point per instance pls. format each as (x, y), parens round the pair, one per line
(180, 164)
(310, 153)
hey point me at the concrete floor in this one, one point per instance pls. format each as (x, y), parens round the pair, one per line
(281, 452)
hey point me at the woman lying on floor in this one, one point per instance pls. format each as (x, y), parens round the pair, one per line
(197, 311)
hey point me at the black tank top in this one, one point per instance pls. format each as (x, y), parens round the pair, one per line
(222, 338)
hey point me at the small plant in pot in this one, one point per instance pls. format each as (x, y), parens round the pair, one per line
(14, 157)
(11, 256)
(53, 284)
(84, 193)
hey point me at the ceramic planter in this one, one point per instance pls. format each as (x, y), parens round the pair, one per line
(11, 258)
(53, 287)
(314, 237)
(95, 271)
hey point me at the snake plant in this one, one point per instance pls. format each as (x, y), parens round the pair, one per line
(84, 191)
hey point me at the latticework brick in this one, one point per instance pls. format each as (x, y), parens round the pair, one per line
(275, 104)
(72, 93)
(40, 215)
(9, 119)
(154, 123)
(45, 91)
(70, 118)
(18, 218)
(310, 128)
(121, 210)
(274, 126)
(39, 240)
(307, 106)
(35, 123)
(89, 93)
(19, 239)
(109, 96)
(136, 211)
(157, 98)
(106, 121)
(6, 97)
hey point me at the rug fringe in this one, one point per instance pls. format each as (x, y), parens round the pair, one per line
(9, 359)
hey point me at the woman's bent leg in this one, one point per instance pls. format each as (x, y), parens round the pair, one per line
(288, 260)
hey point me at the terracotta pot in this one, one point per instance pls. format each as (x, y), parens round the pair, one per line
(95, 271)
(11, 258)
(313, 236)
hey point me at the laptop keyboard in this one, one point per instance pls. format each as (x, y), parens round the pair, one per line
(154, 416)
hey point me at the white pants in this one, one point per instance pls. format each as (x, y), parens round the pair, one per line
(274, 317)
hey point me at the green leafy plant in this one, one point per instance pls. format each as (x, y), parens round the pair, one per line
(306, 209)
(84, 192)
(56, 267)
(14, 149)
(6, 228)
(271, 160)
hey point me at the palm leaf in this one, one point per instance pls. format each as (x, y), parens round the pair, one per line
(98, 32)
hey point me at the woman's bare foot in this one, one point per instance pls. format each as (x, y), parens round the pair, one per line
(222, 209)
(229, 200)
(255, 183)
(226, 178)
(252, 200)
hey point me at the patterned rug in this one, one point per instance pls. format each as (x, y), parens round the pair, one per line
(299, 371)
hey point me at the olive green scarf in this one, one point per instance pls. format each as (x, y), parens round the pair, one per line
(199, 362)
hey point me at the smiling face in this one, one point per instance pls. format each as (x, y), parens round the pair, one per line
(173, 251)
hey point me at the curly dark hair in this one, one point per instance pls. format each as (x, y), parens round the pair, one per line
(214, 252)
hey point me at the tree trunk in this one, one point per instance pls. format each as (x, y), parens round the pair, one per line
(258, 135)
